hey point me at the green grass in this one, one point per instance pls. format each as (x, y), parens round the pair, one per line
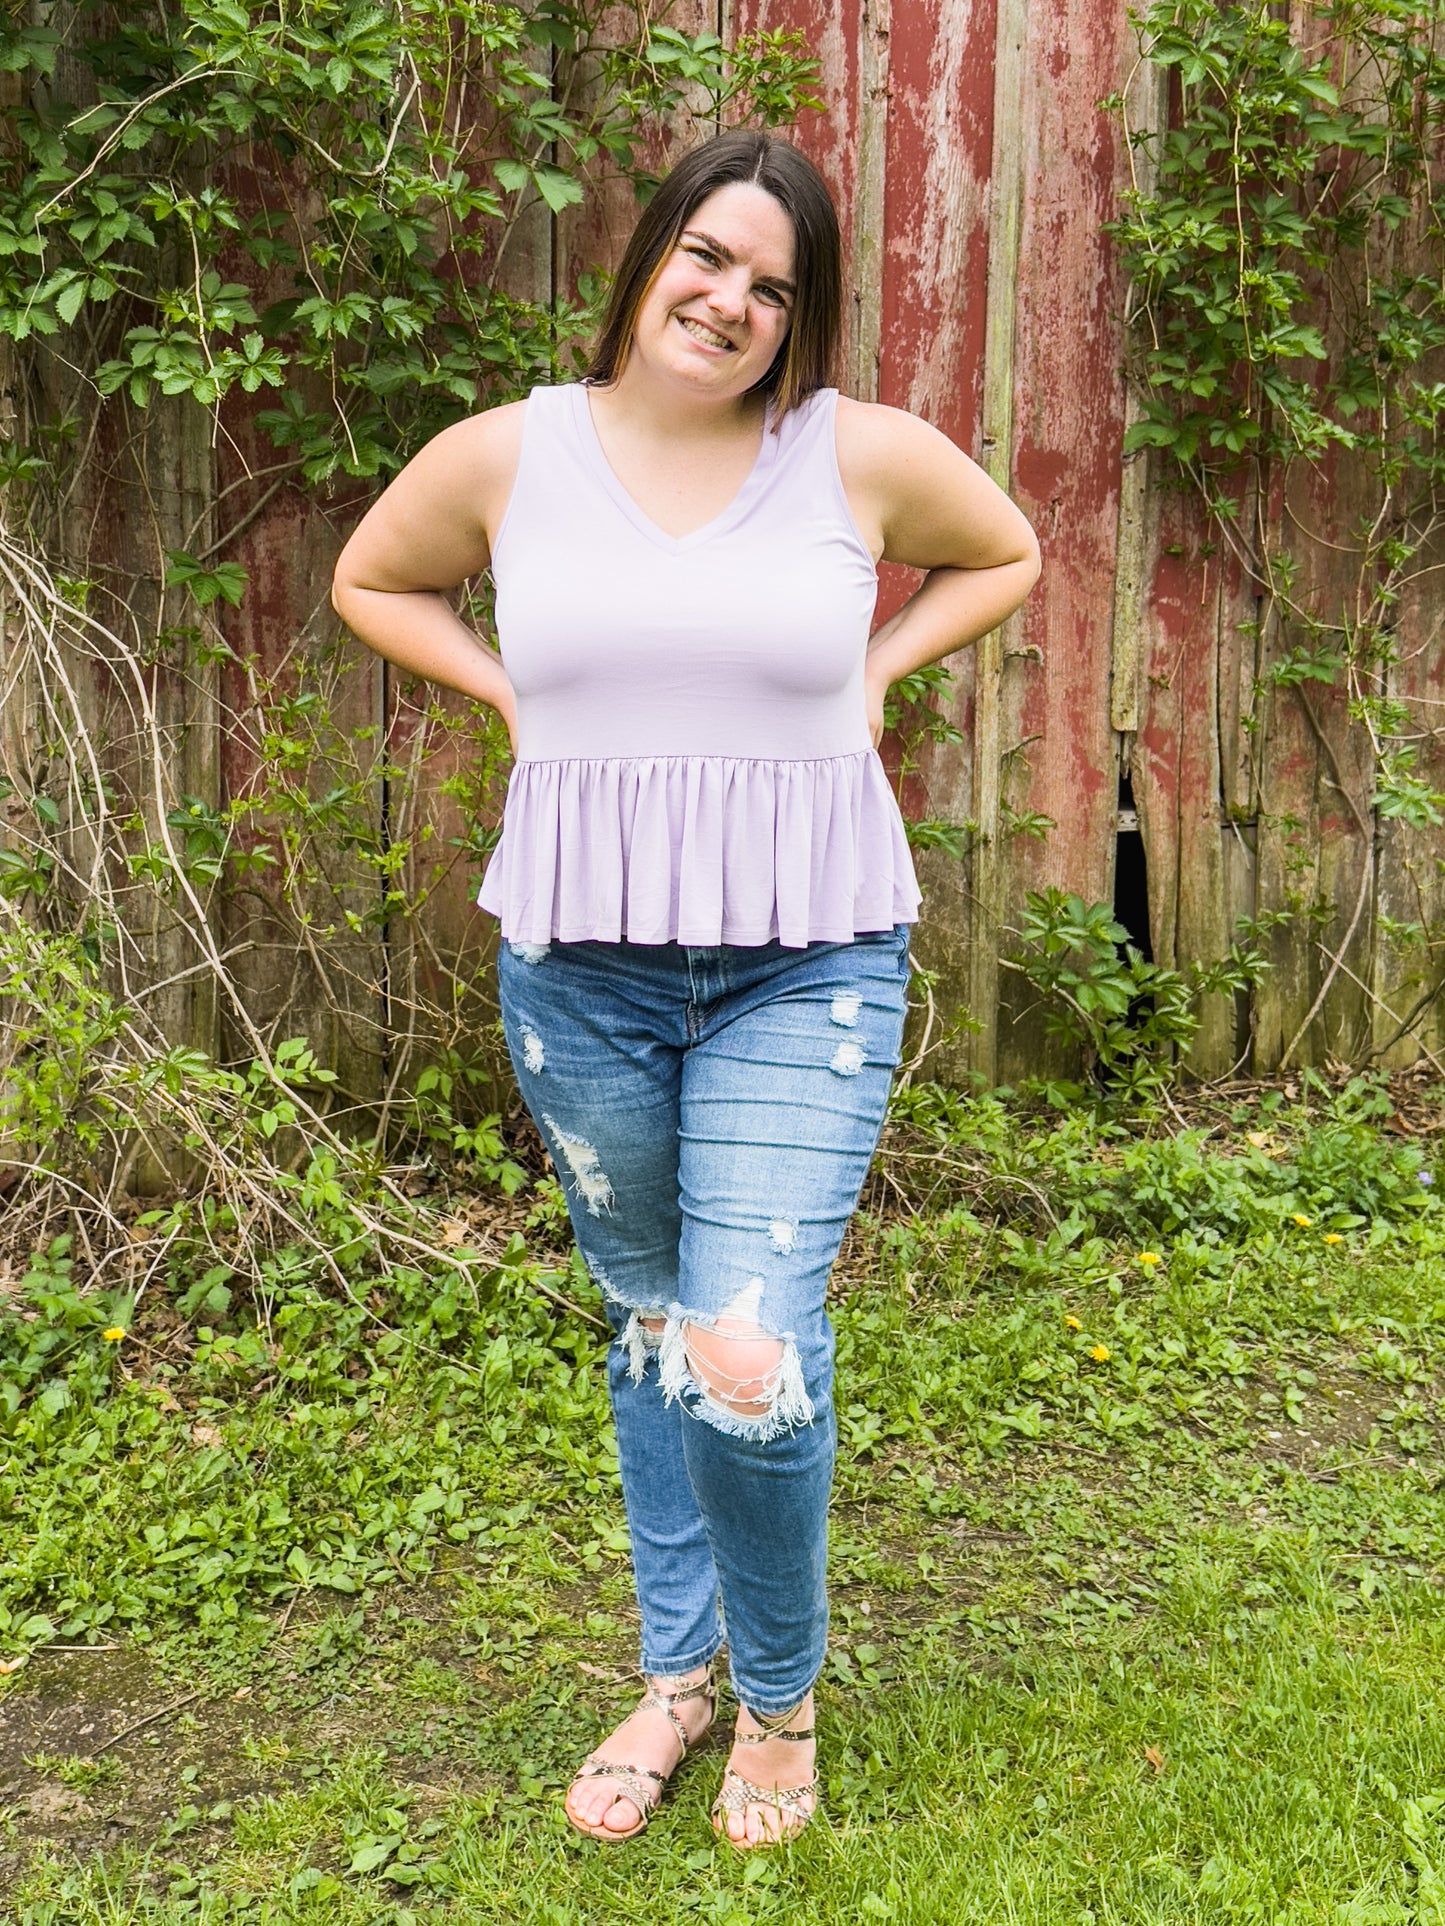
(1157, 1636)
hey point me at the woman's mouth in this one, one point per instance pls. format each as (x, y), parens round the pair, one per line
(708, 337)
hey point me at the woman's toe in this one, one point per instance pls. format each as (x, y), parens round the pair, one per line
(592, 1805)
(621, 1815)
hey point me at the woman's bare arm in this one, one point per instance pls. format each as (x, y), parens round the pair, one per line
(928, 506)
(428, 533)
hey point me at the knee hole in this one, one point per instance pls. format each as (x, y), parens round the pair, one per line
(738, 1366)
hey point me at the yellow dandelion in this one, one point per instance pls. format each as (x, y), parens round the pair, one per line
(1100, 1353)
(1333, 1237)
(1072, 1324)
(1303, 1221)
(1148, 1258)
(113, 1335)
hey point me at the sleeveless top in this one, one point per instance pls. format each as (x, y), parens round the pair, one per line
(693, 757)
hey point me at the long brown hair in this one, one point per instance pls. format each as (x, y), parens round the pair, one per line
(805, 362)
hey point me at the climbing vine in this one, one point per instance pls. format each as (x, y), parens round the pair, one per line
(1285, 240)
(284, 244)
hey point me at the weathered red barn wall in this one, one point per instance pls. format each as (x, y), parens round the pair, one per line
(974, 170)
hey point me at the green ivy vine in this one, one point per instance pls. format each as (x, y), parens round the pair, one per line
(295, 226)
(1285, 243)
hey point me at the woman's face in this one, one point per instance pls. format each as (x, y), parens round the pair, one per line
(720, 308)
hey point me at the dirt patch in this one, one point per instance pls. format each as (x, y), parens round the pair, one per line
(93, 1743)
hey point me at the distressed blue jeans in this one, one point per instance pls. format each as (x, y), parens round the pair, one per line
(712, 1114)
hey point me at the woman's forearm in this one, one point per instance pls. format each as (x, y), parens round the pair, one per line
(420, 633)
(952, 608)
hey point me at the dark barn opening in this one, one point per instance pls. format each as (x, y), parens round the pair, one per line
(1131, 874)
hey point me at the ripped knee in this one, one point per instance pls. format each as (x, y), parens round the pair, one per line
(747, 1382)
(641, 1339)
(735, 1363)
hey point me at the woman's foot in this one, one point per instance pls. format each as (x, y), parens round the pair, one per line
(618, 1787)
(769, 1790)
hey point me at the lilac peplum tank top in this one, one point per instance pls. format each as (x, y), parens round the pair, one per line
(693, 758)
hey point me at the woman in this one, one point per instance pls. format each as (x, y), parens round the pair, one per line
(703, 884)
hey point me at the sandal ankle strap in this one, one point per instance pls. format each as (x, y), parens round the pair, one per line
(774, 1725)
(654, 1699)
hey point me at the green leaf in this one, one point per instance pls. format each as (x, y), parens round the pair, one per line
(69, 300)
(372, 1856)
(225, 582)
(557, 188)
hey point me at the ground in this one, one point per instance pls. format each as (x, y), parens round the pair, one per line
(1138, 1554)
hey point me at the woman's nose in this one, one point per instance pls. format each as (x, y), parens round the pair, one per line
(729, 295)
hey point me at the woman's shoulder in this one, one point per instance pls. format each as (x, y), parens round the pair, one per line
(484, 440)
(871, 433)
(887, 456)
(474, 461)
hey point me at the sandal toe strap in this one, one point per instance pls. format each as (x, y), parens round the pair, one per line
(738, 1794)
(638, 1783)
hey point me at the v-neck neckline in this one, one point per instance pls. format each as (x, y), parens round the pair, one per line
(638, 516)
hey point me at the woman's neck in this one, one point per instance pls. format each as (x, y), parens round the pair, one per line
(657, 410)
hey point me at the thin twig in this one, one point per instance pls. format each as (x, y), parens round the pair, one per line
(150, 1719)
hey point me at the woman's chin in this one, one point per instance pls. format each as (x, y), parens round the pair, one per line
(693, 370)
(706, 374)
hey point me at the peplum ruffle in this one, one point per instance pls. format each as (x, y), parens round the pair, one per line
(700, 850)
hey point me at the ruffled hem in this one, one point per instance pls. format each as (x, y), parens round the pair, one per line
(700, 850)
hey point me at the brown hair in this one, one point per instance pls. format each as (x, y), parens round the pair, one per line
(806, 359)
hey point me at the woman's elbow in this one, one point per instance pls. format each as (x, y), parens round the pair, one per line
(1029, 558)
(344, 585)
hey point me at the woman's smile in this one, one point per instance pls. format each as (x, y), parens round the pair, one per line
(707, 337)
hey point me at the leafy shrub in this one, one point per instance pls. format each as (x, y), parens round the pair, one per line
(1323, 1160)
(1132, 1020)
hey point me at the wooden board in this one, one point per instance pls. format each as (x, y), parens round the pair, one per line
(1057, 751)
(974, 170)
(933, 309)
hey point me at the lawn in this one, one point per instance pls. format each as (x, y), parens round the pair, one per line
(1139, 1548)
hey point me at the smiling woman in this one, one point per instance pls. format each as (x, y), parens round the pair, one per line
(776, 207)
(703, 884)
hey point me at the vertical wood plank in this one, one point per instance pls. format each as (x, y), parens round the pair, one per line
(934, 304)
(864, 370)
(1176, 767)
(1007, 185)
(1407, 972)
(313, 964)
(1165, 677)
(1055, 749)
(146, 486)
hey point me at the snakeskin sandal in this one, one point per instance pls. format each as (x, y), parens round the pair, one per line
(738, 1793)
(639, 1785)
